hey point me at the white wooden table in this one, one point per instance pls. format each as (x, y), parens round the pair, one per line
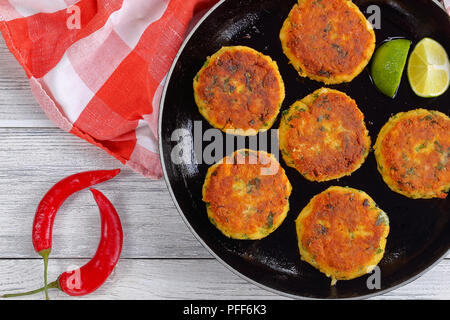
(161, 259)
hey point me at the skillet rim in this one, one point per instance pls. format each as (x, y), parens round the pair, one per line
(191, 229)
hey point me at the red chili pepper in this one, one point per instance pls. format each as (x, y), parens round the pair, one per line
(55, 197)
(93, 274)
(50, 203)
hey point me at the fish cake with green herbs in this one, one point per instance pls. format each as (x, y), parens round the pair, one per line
(327, 40)
(324, 136)
(239, 90)
(413, 151)
(247, 194)
(342, 233)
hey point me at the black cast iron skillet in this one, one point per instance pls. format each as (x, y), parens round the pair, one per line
(420, 229)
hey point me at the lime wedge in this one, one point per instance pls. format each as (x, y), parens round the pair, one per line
(387, 65)
(429, 69)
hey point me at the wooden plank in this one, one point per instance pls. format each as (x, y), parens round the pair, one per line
(18, 108)
(185, 279)
(34, 159)
(139, 279)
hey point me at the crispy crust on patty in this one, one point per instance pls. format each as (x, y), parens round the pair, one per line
(247, 194)
(327, 40)
(239, 90)
(342, 233)
(324, 136)
(413, 151)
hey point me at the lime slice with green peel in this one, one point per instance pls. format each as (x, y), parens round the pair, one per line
(429, 69)
(387, 65)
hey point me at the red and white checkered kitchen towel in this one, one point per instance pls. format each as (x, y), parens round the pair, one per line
(97, 67)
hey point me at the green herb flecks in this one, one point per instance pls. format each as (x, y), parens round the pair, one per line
(324, 73)
(211, 85)
(439, 147)
(405, 157)
(382, 218)
(323, 116)
(213, 221)
(421, 146)
(323, 100)
(253, 184)
(247, 81)
(341, 52)
(227, 87)
(430, 118)
(206, 63)
(270, 220)
(320, 229)
(294, 116)
(317, 2)
(427, 117)
(410, 172)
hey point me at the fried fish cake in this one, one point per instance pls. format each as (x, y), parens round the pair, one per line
(342, 233)
(324, 136)
(327, 40)
(413, 151)
(239, 90)
(247, 194)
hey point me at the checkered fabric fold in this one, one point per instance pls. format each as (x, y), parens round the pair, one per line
(446, 5)
(97, 67)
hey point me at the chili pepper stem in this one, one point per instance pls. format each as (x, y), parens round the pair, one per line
(52, 285)
(44, 254)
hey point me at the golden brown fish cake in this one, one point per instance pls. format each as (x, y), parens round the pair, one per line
(247, 194)
(342, 233)
(239, 90)
(324, 136)
(327, 40)
(412, 151)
